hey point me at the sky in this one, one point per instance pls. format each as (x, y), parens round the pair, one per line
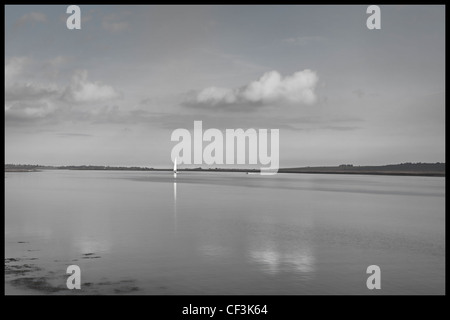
(113, 92)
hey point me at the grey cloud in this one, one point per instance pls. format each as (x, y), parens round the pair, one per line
(29, 91)
(31, 17)
(14, 66)
(19, 71)
(70, 134)
(26, 111)
(359, 93)
(113, 24)
(303, 41)
(342, 128)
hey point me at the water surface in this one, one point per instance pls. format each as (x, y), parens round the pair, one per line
(223, 233)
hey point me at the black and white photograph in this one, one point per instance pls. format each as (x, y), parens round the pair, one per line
(224, 150)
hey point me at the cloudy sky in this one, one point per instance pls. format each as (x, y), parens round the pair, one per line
(113, 92)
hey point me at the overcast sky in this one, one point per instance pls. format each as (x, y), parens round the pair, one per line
(113, 92)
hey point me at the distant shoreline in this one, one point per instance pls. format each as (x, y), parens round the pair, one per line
(21, 170)
(380, 173)
(408, 169)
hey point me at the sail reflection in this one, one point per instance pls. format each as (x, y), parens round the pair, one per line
(175, 222)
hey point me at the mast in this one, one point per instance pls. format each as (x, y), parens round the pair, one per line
(175, 168)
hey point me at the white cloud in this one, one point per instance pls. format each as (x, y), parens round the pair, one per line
(269, 89)
(214, 95)
(81, 90)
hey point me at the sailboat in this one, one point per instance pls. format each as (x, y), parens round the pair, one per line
(175, 168)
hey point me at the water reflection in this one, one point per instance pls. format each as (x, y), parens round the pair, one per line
(279, 248)
(91, 245)
(275, 260)
(175, 222)
(212, 250)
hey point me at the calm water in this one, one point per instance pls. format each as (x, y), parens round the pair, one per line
(223, 233)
